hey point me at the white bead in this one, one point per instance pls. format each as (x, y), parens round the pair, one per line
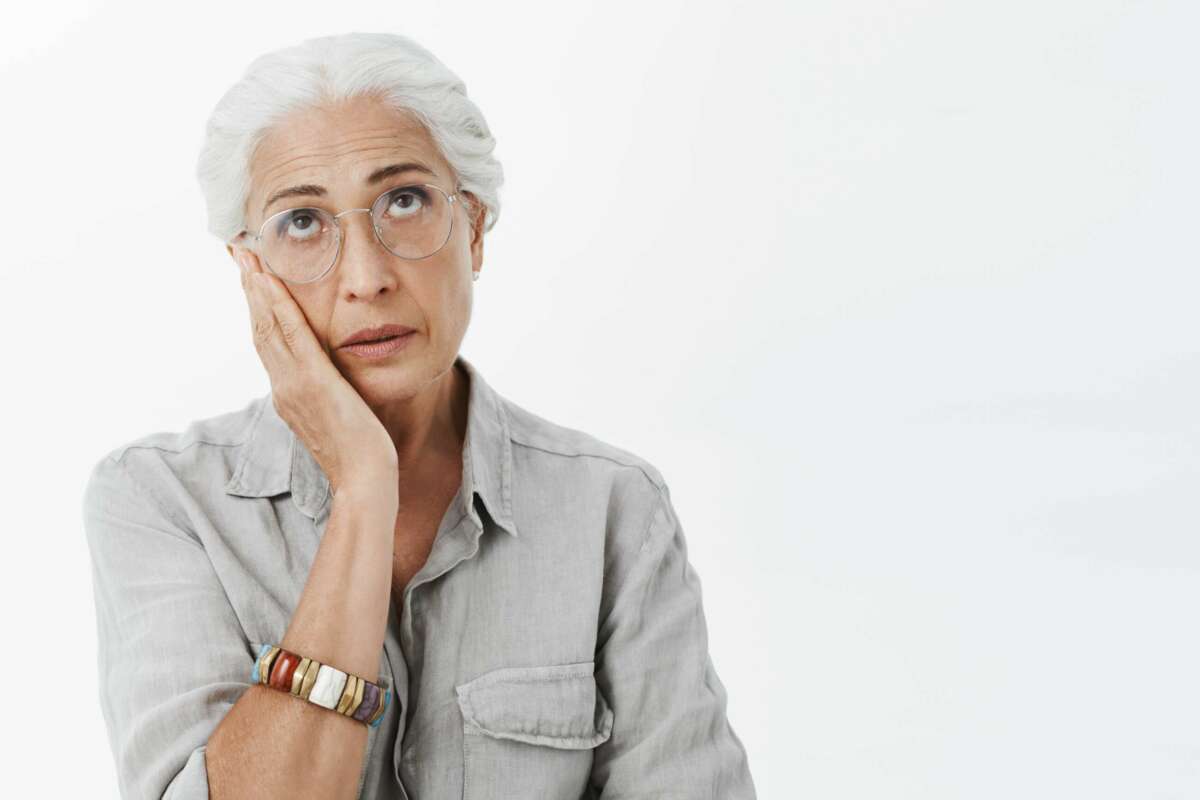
(327, 689)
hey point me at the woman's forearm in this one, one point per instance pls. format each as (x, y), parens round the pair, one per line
(273, 745)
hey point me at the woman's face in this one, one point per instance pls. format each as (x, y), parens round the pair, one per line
(337, 148)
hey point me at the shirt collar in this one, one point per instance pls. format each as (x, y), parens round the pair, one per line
(273, 460)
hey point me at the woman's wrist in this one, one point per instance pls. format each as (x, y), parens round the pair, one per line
(370, 490)
(369, 477)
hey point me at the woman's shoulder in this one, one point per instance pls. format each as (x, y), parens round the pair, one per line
(226, 429)
(560, 447)
(205, 444)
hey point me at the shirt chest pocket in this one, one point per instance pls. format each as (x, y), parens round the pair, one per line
(529, 731)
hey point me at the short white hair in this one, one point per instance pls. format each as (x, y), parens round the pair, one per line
(327, 69)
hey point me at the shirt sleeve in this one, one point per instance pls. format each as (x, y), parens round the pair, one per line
(171, 653)
(670, 734)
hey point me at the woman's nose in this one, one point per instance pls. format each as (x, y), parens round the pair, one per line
(367, 266)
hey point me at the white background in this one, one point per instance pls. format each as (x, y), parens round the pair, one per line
(899, 296)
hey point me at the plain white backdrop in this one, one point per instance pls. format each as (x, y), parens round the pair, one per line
(899, 296)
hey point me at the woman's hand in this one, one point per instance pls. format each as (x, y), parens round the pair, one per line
(323, 409)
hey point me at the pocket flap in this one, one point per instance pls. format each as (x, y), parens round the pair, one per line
(556, 706)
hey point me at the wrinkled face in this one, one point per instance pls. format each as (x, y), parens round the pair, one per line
(336, 148)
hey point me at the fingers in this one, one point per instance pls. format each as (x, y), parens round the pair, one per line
(262, 320)
(282, 334)
(291, 323)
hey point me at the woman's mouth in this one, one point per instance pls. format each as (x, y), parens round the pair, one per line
(379, 348)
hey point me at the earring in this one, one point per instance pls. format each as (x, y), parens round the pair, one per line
(475, 275)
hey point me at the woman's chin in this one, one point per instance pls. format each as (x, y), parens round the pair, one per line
(379, 383)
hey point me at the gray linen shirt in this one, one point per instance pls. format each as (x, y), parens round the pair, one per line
(554, 645)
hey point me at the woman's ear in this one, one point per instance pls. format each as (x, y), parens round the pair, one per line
(476, 212)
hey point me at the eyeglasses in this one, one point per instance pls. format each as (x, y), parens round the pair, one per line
(301, 245)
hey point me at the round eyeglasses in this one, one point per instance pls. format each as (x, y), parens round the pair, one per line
(301, 245)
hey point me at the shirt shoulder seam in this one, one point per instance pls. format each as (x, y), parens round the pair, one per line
(118, 454)
(632, 464)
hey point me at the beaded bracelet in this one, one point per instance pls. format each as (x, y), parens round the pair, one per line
(322, 684)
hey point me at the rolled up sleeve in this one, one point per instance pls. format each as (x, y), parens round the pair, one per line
(172, 657)
(670, 737)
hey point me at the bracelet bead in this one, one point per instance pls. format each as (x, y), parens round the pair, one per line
(377, 717)
(254, 676)
(310, 677)
(347, 694)
(327, 688)
(264, 672)
(370, 700)
(358, 698)
(281, 672)
(298, 675)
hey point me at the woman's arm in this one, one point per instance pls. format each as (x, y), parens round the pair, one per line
(174, 664)
(273, 745)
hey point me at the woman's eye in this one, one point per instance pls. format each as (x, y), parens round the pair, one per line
(303, 225)
(407, 201)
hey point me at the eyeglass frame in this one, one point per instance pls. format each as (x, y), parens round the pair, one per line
(337, 224)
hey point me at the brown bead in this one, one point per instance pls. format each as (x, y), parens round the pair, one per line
(281, 672)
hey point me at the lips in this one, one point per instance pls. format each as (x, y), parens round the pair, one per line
(378, 333)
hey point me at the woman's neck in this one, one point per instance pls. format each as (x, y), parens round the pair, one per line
(428, 429)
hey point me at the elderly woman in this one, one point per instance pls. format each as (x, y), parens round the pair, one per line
(495, 606)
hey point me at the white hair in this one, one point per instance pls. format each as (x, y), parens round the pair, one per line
(327, 69)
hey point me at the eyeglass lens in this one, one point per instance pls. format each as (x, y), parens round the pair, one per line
(412, 222)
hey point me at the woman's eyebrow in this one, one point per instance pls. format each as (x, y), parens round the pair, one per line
(381, 174)
(384, 173)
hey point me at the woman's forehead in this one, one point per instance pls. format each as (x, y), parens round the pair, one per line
(342, 143)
